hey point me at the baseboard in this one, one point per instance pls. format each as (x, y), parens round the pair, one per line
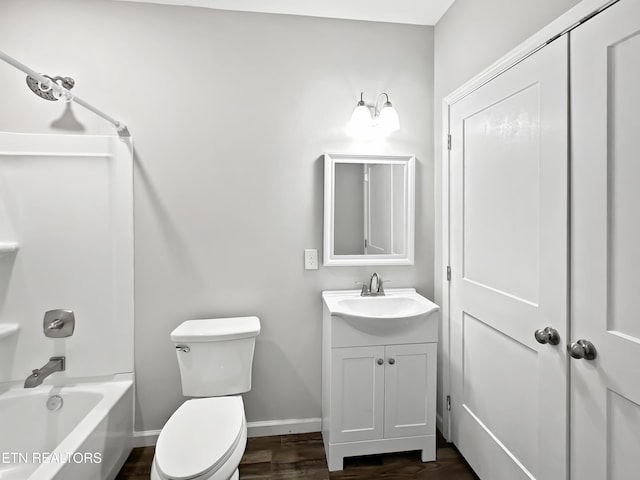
(439, 422)
(284, 427)
(148, 438)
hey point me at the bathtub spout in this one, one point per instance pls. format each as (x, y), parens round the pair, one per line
(55, 364)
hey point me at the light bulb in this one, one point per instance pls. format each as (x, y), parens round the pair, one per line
(360, 122)
(388, 120)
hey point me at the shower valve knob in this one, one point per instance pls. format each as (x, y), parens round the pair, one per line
(56, 324)
(59, 323)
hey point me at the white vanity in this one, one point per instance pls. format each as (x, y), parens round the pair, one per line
(378, 374)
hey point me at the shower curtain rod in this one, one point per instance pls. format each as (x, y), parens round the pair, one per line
(121, 128)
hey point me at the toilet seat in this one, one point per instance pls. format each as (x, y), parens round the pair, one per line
(200, 438)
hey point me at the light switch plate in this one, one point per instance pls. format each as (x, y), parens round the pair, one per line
(310, 259)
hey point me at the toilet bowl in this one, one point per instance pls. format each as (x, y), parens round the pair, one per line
(205, 437)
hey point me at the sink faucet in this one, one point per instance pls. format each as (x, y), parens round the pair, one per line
(374, 288)
(55, 364)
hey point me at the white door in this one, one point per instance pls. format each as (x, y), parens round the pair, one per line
(605, 100)
(410, 390)
(357, 393)
(508, 203)
(378, 204)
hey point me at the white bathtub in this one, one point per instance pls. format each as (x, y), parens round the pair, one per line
(87, 438)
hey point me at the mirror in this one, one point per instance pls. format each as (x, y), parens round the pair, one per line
(368, 209)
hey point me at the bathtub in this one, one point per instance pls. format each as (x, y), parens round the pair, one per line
(75, 432)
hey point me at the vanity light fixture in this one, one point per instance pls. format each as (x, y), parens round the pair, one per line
(367, 119)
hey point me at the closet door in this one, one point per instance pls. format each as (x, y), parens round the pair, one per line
(508, 198)
(605, 101)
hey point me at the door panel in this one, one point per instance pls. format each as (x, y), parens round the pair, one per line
(358, 395)
(605, 393)
(622, 434)
(495, 254)
(519, 432)
(509, 276)
(410, 390)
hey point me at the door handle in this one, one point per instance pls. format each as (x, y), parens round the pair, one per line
(547, 335)
(582, 349)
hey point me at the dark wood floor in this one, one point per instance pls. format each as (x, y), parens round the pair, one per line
(302, 456)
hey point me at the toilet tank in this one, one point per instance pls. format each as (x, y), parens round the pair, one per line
(215, 355)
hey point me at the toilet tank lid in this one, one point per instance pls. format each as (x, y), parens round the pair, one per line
(216, 329)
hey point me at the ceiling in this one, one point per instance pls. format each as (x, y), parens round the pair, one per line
(414, 12)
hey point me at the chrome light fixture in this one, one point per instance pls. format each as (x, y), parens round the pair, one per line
(366, 120)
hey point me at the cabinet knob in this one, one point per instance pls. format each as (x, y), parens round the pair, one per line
(392, 361)
(380, 361)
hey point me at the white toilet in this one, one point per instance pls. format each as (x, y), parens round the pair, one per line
(205, 438)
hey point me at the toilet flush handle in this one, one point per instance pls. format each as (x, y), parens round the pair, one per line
(183, 348)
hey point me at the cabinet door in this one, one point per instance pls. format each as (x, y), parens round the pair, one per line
(508, 224)
(410, 389)
(357, 393)
(605, 104)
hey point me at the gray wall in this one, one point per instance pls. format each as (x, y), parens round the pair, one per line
(230, 114)
(469, 38)
(348, 216)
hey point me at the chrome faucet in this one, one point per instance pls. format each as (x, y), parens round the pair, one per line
(55, 364)
(374, 288)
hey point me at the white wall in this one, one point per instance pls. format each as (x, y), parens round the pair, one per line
(230, 114)
(468, 38)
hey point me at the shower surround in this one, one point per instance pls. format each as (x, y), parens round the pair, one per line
(66, 211)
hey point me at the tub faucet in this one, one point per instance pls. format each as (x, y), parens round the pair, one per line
(374, 288)
(55, 364)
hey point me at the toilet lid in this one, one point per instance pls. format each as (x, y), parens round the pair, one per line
(199, 437)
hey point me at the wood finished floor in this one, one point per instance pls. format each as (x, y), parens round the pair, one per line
(302, 457)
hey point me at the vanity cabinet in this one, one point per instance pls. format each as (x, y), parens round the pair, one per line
(382, 391)
(379, 391)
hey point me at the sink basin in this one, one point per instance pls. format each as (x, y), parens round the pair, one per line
(397, 311)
